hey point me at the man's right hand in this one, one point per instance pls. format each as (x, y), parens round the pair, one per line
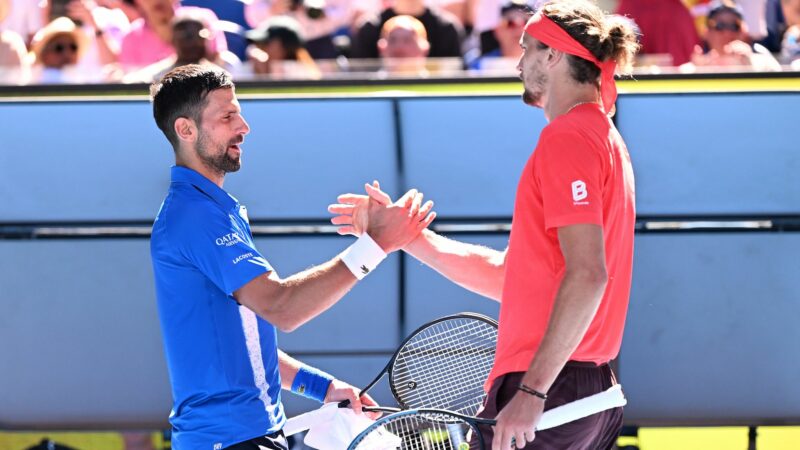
(391, 224)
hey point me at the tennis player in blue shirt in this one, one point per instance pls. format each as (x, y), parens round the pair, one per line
(219, 300)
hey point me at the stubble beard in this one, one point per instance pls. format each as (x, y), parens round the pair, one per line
(531, 99)
(219, 161)
(533, 96)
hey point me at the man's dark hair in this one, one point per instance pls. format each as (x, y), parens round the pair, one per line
(183, 92)
(605, 36)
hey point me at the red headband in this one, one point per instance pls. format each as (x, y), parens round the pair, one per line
(548, 32)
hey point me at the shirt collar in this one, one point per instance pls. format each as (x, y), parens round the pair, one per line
(185, 175)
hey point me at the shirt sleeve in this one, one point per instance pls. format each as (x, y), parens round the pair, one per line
(570, 175)
(217, 246)
(127, 48)
(365, 41)
(449, 40)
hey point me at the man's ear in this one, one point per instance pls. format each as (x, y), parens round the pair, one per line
(554, 56)
(425, 46)
(382, 45)
(185, 129)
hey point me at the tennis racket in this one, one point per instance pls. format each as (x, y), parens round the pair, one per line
(433, 429)
(442, 365)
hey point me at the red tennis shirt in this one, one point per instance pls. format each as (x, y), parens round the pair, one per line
(579, 173)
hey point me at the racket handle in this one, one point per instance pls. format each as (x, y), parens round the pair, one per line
(613, 397)
(380, 409)
(346, 403)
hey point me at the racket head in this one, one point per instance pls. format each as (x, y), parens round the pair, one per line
(420, 429)
(444, 364)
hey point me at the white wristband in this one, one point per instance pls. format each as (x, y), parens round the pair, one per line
(363, 256)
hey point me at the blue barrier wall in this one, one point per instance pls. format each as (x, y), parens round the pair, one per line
(711, 313)
(712, 154)
(712, 329)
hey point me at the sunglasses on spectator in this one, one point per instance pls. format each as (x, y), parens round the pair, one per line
(514, 22)
(61, 48)
(723, 26)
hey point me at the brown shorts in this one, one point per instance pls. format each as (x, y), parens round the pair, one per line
(577, 380)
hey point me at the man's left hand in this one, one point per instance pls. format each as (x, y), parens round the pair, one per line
(517, 421)
(339, 390)
(352, 211)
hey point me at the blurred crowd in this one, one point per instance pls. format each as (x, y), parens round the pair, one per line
(135, 41)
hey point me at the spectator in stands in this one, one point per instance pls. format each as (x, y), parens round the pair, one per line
(191, 39)
(724, 25)
(12, 52)
(791, 12)
(444, 32)
(12, 56)
(103, 28)
(278, 50)
(13, 63)
(462, 10)
(232, 20)
(24, 17)
(513, 17)
(790, 46)
(726, 42)
(128, 7)
(487, 17)
(666, 28)
(56, 50)
(754, 13)
(150, 38)
(404, 46)
(319, 20)
(776, 26)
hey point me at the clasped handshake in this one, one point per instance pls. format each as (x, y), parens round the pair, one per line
(392, 225)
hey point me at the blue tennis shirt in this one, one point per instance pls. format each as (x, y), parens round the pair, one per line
(222, 358)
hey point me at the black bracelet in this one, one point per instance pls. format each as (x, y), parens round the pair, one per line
(533, 392)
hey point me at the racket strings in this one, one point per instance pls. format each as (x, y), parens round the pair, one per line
(450, 390)
(462, 392)
(419, 431)
(444, 366)
(455, 350)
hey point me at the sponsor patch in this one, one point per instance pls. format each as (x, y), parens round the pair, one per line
(228, 239)
(579, 193)
(239, 258)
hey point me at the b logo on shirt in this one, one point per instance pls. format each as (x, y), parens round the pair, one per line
(579, 191)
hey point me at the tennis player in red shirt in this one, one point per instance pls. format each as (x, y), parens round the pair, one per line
(564, 280)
